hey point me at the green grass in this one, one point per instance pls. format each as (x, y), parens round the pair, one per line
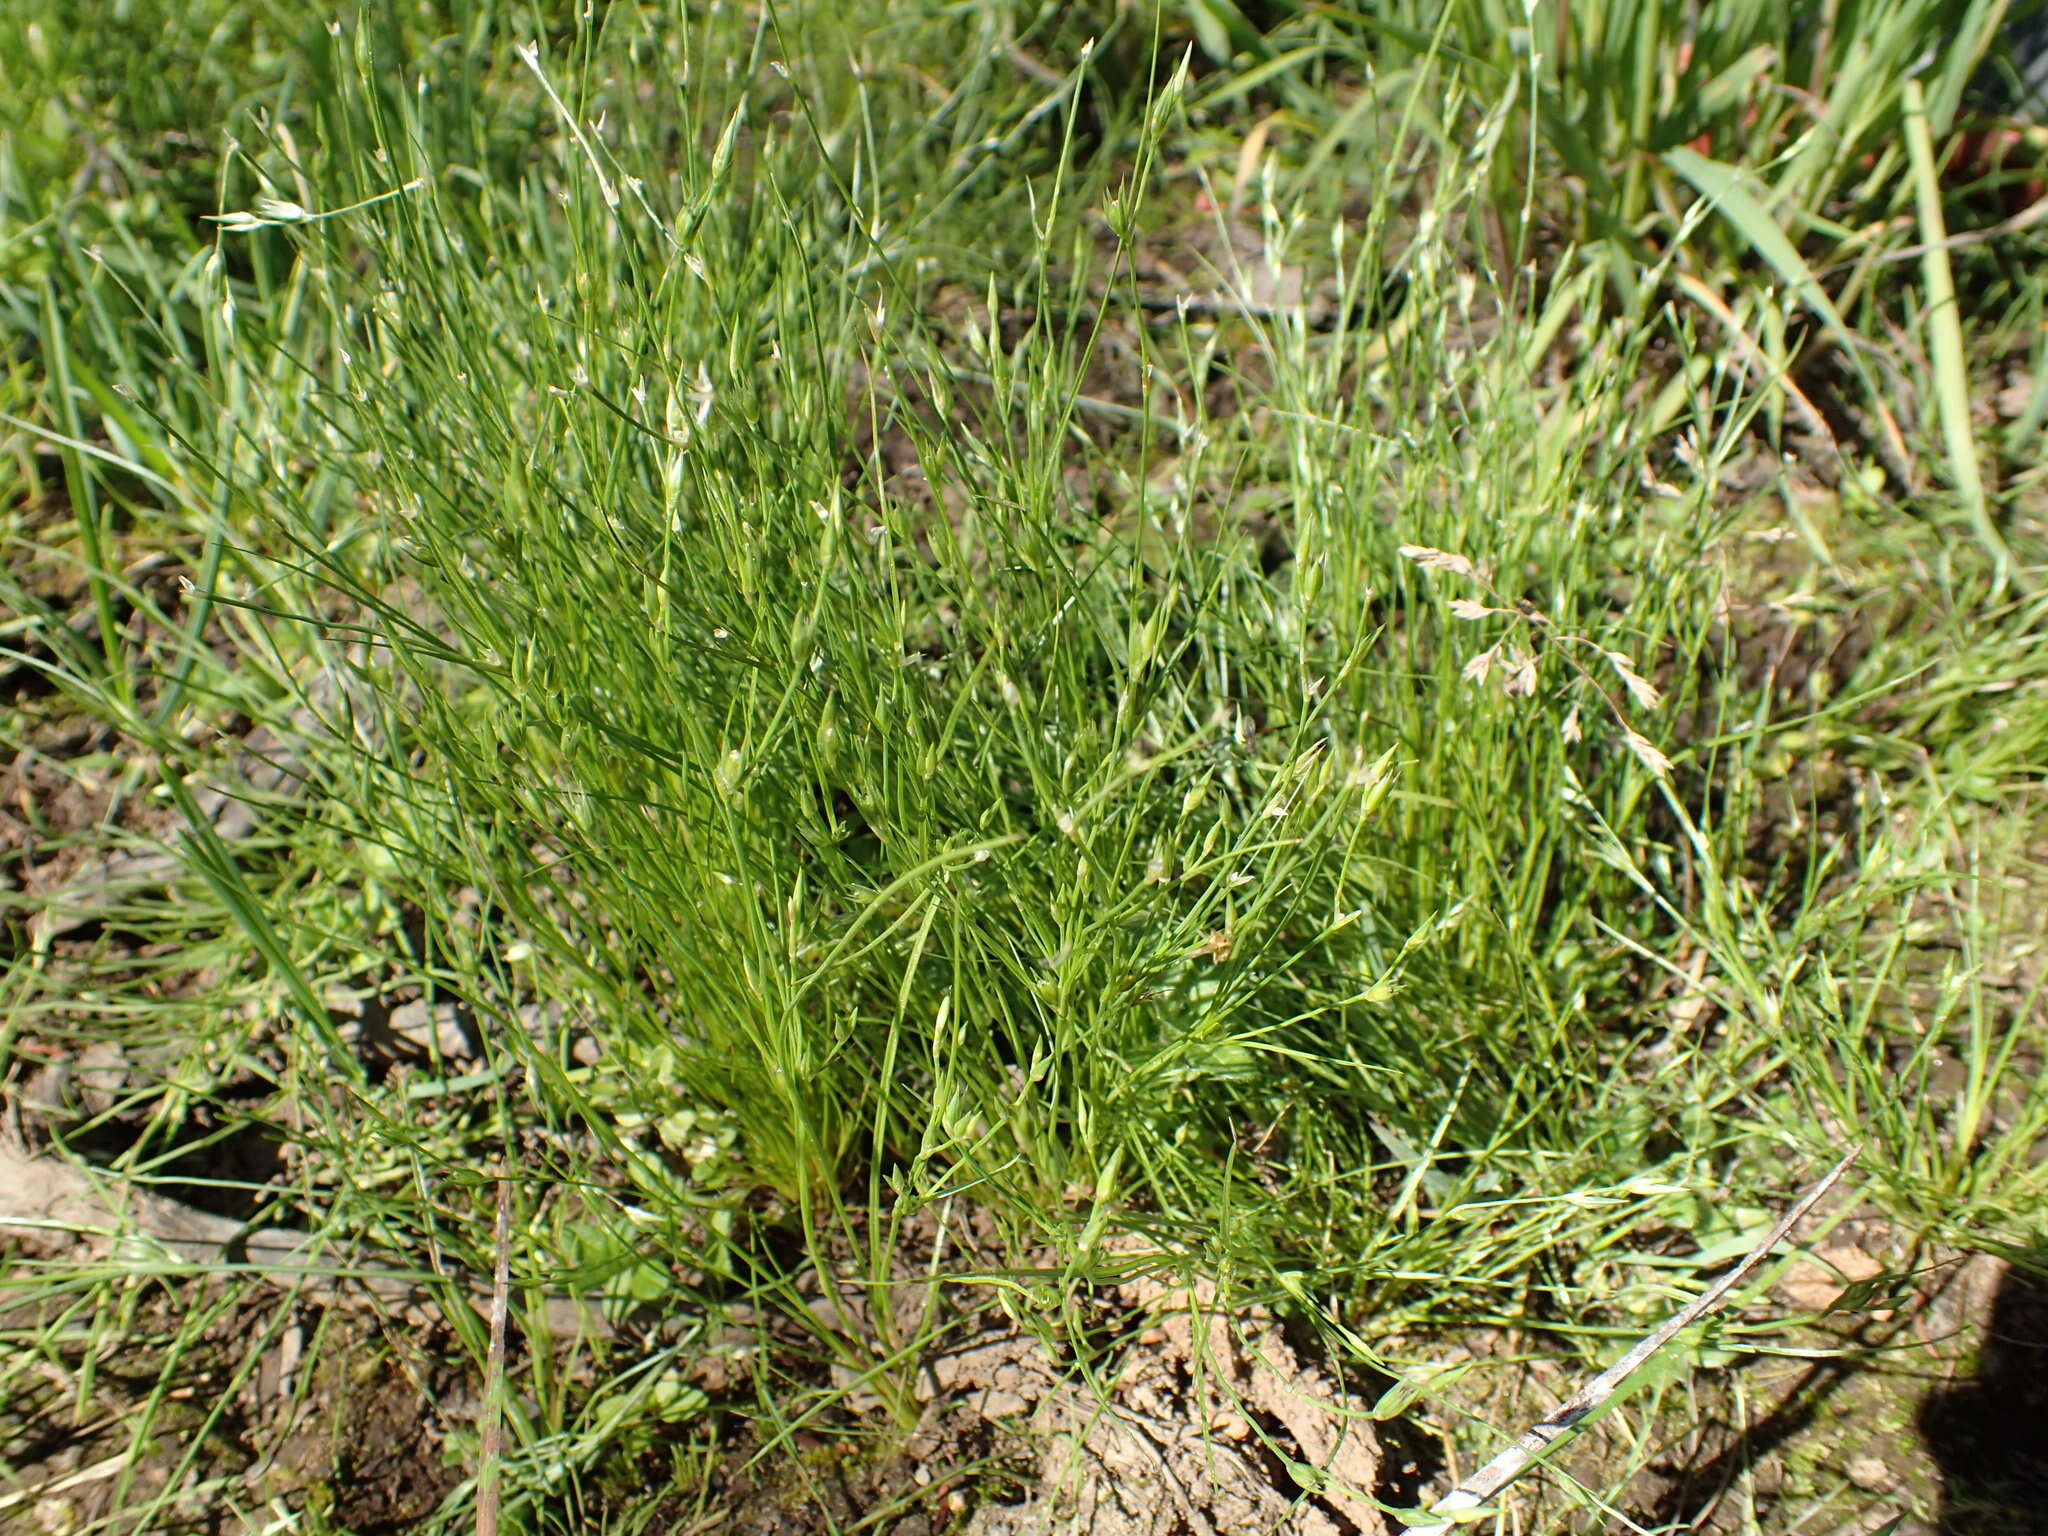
(736, 567)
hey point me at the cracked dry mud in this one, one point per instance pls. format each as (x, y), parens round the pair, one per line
(1211, 1425)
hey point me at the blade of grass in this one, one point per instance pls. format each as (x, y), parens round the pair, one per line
(1727, 188)
(1945, 343)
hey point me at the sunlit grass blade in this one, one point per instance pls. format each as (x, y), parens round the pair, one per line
(1945, 342)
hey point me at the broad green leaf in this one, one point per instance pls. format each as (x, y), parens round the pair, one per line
(1726, 188)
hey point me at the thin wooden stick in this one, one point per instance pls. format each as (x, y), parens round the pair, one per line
(1537, 1440)
(491, 1436)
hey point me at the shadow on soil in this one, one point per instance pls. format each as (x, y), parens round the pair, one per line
(1696, 1492)
(1989, 1435)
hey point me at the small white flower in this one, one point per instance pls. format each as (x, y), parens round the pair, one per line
(1641, 689)
(1520, 681)
(1438, 560)
(1646, 754)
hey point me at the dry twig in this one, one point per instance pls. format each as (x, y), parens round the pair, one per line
(1454, 1508)
(491, 1436)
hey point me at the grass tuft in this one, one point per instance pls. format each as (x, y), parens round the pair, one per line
(1320, 651)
